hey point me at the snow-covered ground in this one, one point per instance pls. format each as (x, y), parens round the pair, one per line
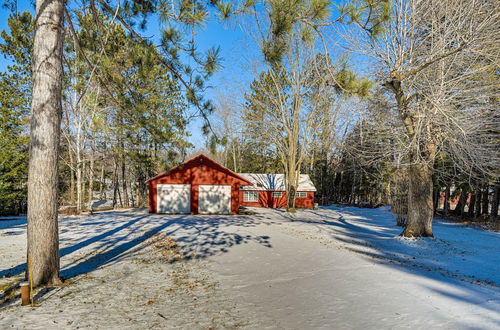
(331, 268)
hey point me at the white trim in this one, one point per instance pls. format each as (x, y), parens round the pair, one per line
(301, 194)
(254, 196)
(276, 194)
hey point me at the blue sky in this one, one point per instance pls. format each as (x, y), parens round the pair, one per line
(229, 37)
(237, 52)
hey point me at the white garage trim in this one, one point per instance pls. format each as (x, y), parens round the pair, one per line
(214, 199)
(173, 198)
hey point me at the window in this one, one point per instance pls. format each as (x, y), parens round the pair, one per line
(277, 194)
(301, 195)
(251, 196)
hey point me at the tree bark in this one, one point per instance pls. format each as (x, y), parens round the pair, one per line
(494, 202)
(464, 196)
(291, 184)
(101, 182)
(477, 209)
(472, 204)
(79, 192)
(485, 200)
(91, 177)
(124, 183)
(446, 203)
(419, 202)
(72, 177)
(435, 200)
(43, 231)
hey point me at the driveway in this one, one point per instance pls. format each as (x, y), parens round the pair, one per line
(337, 268)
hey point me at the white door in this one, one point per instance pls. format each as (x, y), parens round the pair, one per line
(173, 198)
(214, 199)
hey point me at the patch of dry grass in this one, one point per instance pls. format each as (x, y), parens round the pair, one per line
(166, 246)
(9, 290)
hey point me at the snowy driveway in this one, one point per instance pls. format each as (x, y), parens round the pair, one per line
(338, 268)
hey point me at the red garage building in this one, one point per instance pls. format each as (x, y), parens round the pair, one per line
(200, 185)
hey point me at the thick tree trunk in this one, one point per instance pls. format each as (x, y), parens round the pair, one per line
(472, 205)
(419, 202)
(446, 204)
(477, 209)
(485, 200)
(291, 190)
(435, 200)
(43, 232)
(459, 208)
(464, 195)
(494, 202)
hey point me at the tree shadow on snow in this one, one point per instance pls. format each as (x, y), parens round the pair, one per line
(374, 235)
(16, 223)
(102, 239)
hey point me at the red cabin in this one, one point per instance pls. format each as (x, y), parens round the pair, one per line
(268, 190)
(200, 185)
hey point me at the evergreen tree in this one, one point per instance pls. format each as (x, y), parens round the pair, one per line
(15, 96)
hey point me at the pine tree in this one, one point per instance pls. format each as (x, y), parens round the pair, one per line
(15, 95)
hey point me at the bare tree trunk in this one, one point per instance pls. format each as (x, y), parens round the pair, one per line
(477, 209)
(78, 184)
(91, 177)
(84, 186)
(43, 231)
(235, 163)
(72, 177)
(436, 200)
(419, 202)
(101, 182)
(124, 184)
(494, 202)
(472, 205)
(463, 198)
(446, 203)
(485, 200)
(352, 197)
(115, 182)
(291, 191)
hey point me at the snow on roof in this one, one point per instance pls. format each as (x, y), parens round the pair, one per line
(275, 182)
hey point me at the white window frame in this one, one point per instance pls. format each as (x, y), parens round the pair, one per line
(301, 194)
(250, 196)
(277, 194)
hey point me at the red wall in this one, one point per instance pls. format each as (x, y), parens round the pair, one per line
(200, 170)
(266, 200)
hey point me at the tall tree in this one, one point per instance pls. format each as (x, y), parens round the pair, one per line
(429, 55)
(46, 110)
(47, 92)
(289, 36)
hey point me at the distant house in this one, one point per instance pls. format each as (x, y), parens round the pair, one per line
(268, 190)
(201, 185)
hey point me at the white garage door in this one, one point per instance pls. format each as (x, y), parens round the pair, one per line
(173, 198)
(215, 199)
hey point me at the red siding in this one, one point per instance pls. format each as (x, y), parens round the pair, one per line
(200, 170)
(266, 200)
